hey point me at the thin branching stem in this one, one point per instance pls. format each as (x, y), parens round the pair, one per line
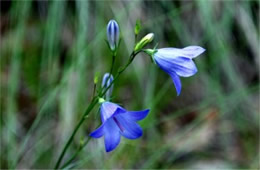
(76, 153)
(111, 70)
(92, 104)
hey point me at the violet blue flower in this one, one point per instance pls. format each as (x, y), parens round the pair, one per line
(113, 34)
(117, 122)
(178, 62)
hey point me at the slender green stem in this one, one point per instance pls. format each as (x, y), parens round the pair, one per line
(119, 72)
(92, 104)
(111, 71)
(112, 65)
(90, 107)
(76, 153)
(94, 90)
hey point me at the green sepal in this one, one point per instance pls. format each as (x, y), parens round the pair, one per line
(151, 52)
(114, 51)
(101, 100)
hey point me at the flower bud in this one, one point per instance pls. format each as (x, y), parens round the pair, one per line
(113, 34)
(107, 80)
(144, 41)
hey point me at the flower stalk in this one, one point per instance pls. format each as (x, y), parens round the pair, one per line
(90, 107)
(117, 121)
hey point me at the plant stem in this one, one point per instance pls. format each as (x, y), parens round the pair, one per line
(92, 104)
(119, 72)
(76, 153)
(110, 72)
(90, 107)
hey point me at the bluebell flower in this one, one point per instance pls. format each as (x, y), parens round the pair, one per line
(117, 122)
(105, 83)
(178, 62)
(113, 34)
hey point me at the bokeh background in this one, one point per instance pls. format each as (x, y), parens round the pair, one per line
(51, 50)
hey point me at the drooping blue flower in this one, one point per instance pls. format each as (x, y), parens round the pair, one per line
(178, 62)
(113, 34)
(117, 122)
(107, 79)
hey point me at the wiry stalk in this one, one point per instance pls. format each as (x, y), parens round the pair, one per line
(92, 104)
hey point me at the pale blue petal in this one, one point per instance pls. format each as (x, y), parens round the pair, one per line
(111, 135)
(99, 132)
(189, 52)
(108, 109)
(169, 52)
(182, 66)
(177, 82)
(166, 66)
(131, 129)
(136, 115)
(192, 51)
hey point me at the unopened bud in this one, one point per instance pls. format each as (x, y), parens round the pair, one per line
(144, 41)
(113, 34)
(107, 80)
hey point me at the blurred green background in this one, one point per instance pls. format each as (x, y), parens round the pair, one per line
(51, 50)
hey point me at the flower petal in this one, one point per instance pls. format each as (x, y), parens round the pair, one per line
(136, 115)
(169, 52)
(99, 132)
(177, 82)
(111, 135)
(108, 109)
(131, 129)
(183, 66)
(189, 52)
(192, 51)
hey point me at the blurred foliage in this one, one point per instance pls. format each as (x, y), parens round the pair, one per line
(51, 50)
